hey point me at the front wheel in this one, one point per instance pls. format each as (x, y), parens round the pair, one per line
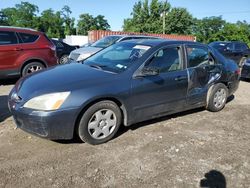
(100, 122)
(64, 59)
(217, 97)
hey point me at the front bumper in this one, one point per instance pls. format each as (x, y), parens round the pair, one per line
(54, 125)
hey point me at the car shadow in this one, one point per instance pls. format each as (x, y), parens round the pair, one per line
(75, 140)
(4, 110)
(133, 127)
(8, 81)
(213, 179)
(245, 80)
(124, 129)
(230, 98)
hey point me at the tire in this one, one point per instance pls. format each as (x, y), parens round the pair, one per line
(99, 123)
(217, 97)
(64, 59)
(32, 67)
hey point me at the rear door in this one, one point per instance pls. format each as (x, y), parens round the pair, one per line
(162, 93)
(203, 71)
(10, 50)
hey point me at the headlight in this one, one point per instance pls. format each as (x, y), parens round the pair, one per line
(52, 101)
(83, 56)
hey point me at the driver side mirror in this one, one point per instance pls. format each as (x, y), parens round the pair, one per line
(149, 71)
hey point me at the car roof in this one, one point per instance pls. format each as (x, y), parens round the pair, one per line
(156, 42)
(19, 29)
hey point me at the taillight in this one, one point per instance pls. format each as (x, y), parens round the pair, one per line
(237, 71)
(53, 47)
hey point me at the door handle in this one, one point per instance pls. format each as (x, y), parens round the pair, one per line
(180, 78)
(18, 49)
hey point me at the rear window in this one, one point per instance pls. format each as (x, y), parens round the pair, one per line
(58, 44)
(219, 46)
(7, 37)
(28, 38)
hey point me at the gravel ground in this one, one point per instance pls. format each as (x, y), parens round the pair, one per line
(191, 149)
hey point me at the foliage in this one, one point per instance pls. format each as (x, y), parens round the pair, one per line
(22, 15)
(179, 21)
(146, 17)
(56, 24)
(207, 28)
(87, 22)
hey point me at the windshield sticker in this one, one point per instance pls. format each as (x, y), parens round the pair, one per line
(121, 66)
(141, 47)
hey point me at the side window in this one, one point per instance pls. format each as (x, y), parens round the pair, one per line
(7, 37)
(237, 47)
(28, 38)
(167, 60)
(198, 56)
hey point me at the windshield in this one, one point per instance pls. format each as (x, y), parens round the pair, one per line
(106, 41)
(117, 58)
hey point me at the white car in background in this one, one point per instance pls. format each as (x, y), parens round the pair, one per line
(83, 53)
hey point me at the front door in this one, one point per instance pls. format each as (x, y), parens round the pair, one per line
(9, 50)
(153, 96)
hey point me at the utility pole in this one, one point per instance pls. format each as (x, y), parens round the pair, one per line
(164, 21)
(164, 17)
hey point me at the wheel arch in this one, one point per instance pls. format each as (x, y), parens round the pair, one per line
(211, 88)
(112, 99)
(26, 62)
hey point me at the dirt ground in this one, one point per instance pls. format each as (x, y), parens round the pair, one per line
(191, 149)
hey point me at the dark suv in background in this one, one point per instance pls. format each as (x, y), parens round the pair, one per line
(235, 50)
(23, 51)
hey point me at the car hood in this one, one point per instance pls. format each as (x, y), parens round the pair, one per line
(83, 53)
(86, 50)
(61, 78)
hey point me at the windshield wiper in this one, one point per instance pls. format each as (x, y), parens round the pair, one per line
(97, 66)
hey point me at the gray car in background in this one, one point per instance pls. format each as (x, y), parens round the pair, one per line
(85, 52)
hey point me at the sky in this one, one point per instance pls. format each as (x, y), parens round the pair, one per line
(115, 11)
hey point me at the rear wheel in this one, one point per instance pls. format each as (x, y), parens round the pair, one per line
(32, 67)
(99, 123)
(217, 97)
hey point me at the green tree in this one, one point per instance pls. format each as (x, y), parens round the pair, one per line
(69, 23)
(3, 19)
(22, 15)
(87, 22)
(179, 21)
(52, 23)
(206, 29)
(146, 17)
